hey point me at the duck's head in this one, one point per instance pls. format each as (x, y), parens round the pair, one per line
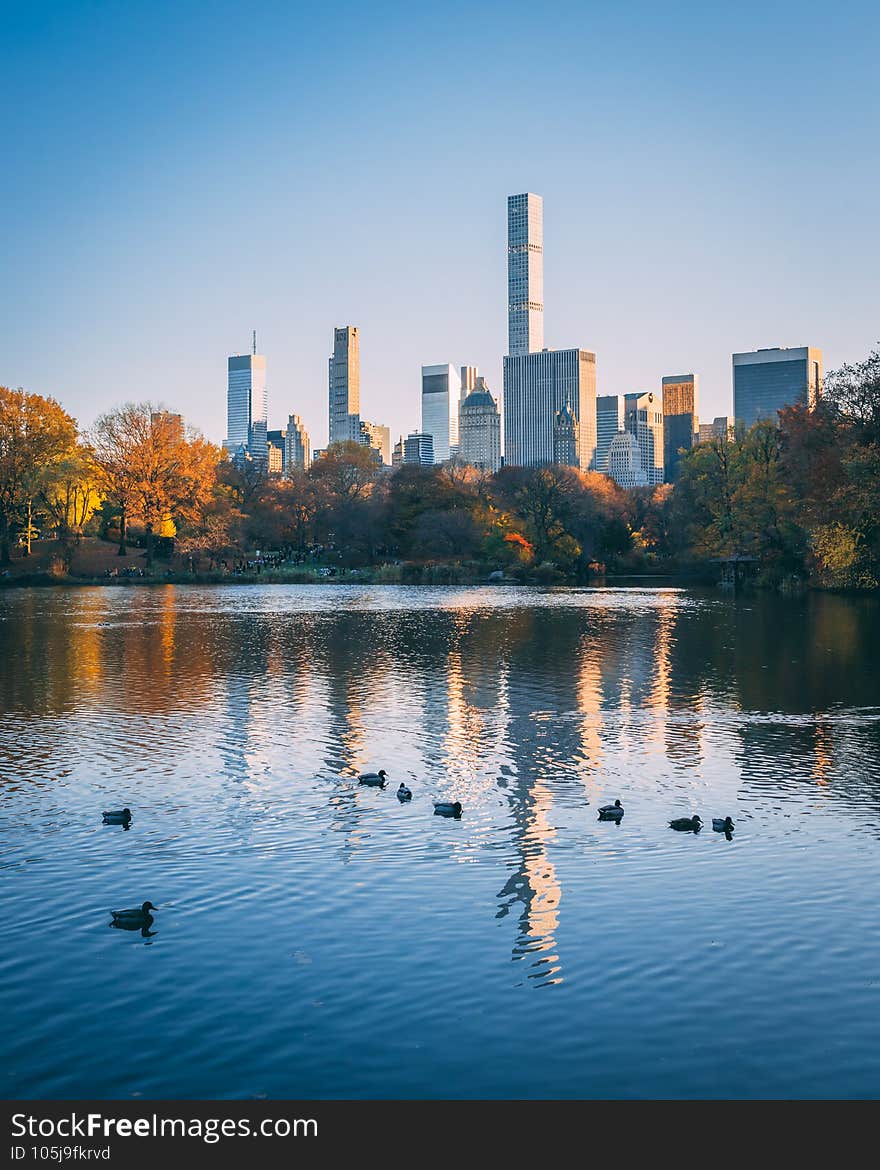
(148, 906)
(457, 807)
(728, 824)
(697, 819)
(617, 804)
(381, 773)
(126, 812)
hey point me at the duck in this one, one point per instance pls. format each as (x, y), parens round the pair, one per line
(722, 825)
(687, 824)
(404, 793)
(374, 779)
(117, 816)
(134, 919)
(611, 812)
(447, 808)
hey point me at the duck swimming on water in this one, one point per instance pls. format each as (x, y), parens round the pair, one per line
(611, 812)
(136, 919)
(687, 824)
(722, 825)
(447, 808)
(118, 816)
(374, 779)
(404, 793)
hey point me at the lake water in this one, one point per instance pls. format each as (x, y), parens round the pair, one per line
(315, 938)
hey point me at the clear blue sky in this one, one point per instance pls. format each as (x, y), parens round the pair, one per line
(177, 174)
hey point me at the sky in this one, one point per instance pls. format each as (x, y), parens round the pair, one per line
(179, 174)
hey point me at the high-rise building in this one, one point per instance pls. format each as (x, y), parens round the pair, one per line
(379, 439)
(418, 448)
(479, 428)
(681, 422)
(644, 421)
(768, 379)
(625, 461)
(610, 421)
(297, 446)
(441, 392)
(525, 273)
(469, 376)
(397, 455)
(345, 385)
(247, 406)
(722, 427)
(566, 438)
(275, 441)
(536, 387)
(274, 458)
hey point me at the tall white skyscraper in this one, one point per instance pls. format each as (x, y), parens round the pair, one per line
(540, 383)
(345, 385)
(525, 273)
(247, 405)
(441, 391)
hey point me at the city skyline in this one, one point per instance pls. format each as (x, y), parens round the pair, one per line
(154, 239)
(551, 412)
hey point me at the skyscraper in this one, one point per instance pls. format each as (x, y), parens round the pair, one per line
(479, 428)
(769, 379)
(525, 273)
(610, 421)
(247, 406)
(538, 382)
(418, 448)
(536, 387)
(469, 376)
(644, 421)
(681, 423)
(721, 427)
(345, 385)
(441, 391)
(277, 447)
(379, 439)
(297, 446)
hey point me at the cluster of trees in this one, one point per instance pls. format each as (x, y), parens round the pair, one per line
(518, 518)
(136, 465)
(799, 498)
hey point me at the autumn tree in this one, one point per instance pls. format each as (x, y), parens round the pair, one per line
(154, 472)
(71, 493)
(35, 434)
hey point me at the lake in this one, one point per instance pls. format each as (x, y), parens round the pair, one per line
(316, 938)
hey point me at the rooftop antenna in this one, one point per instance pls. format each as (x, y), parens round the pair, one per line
(255, 343)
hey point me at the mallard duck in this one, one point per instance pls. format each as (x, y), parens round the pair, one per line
(611, 808)
(404, 793)
(134, 919)
(374, 779)
(724, 825)
(611, 812)
(117, 816)
(687, 824)
(447, 808)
